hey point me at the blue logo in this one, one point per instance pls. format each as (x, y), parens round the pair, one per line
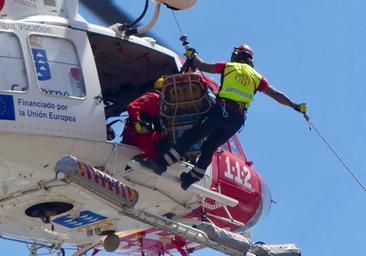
(85, 218)
(7, 111)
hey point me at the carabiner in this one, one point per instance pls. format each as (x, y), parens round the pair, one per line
(224, 113)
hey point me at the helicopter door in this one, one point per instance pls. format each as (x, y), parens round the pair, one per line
(237, 180)
(234, 174)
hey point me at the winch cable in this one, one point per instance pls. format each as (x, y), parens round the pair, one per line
(181, 33)
(176, 21)
(335, 153)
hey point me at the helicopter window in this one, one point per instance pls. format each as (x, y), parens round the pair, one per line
(13, 75)
(225, 147)
(54, 60)
(234, 146)
(50, 3)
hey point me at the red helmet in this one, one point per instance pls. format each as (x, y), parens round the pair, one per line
(244, 48)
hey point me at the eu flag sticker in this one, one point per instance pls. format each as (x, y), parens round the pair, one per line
(7, 111)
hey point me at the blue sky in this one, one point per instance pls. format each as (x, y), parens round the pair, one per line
(313, 51)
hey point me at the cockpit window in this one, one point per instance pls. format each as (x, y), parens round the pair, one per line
(234, 146)
(13, 75)
(225, 147)
(211, 94)
(57, 66)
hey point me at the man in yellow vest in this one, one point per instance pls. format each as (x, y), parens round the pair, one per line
(239, 83)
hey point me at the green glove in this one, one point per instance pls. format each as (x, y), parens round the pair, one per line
(191, 52)
(142, 127)
(302, 108)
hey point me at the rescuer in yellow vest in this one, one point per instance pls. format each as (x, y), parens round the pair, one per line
(239, 83)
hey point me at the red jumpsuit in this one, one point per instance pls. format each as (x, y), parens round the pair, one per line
(144, 108)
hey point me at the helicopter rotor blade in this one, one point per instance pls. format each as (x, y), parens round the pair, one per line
(110, 14)
(107, 11)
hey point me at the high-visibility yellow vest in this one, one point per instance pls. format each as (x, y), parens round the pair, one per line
(239, 82)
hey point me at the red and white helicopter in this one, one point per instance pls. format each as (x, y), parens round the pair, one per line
(62, 183)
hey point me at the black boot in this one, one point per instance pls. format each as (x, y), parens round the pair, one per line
(137, 158)
(187, 180)
(151, 164)
(155, 166)
(128, 168)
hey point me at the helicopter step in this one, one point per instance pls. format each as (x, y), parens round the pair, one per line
(197, 189)
(123, 199)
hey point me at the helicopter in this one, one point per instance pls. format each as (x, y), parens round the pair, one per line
(63, 182)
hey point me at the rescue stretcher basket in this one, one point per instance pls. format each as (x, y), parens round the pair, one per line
(184, 99)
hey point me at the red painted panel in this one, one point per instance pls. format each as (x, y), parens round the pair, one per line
(2, 3)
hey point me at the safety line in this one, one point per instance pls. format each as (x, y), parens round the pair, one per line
(348, 169)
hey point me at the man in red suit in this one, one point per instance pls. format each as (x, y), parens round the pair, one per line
(143, 127)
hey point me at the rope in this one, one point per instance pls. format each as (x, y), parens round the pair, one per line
(348, 169)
